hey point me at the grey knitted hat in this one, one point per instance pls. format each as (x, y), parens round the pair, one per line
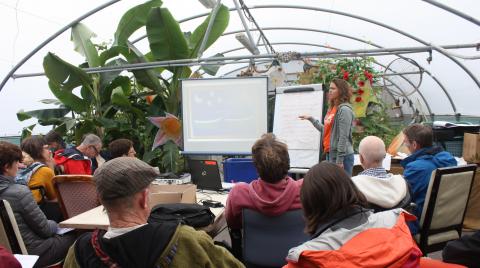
(122, 177)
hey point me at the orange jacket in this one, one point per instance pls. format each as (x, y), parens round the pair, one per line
(372, 247)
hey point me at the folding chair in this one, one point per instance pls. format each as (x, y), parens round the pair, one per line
(445, 206)
(10, 236)
(76, 194)
(266, 240)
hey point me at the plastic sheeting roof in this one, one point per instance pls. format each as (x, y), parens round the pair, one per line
(308, 24)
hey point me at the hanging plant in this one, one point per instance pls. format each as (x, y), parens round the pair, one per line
(370, 110)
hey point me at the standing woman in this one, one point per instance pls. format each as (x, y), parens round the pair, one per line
(337, 125)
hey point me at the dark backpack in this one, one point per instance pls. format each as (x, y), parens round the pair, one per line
(194, 215)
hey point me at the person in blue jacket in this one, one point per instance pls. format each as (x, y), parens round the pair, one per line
(418, 166)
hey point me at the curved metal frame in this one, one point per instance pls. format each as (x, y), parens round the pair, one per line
(53, 36)
(362, 41)
(347, 15)
(315, 45)
(101, 7)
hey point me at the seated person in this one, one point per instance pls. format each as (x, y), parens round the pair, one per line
(274, 192)
(40, 172)
(55, 141)
(344, 233)
(77, 160)
(382, 190)
(418, 166)
(38, 233)
(122, 187)
(464, 251)
(121, 147)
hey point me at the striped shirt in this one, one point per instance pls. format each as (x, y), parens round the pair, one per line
(378, 172)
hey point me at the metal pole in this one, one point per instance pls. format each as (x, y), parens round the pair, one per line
(454, 11)
(209, 29)
(48, 40)
(247, 30)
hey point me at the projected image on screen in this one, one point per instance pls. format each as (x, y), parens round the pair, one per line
(223, 115)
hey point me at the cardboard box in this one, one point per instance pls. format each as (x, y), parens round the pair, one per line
(471, 147)
(173, 193)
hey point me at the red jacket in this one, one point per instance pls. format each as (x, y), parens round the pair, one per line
(374, 244)
(73, 162)
(267, 198)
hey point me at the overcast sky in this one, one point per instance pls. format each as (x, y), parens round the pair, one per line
(26, 23)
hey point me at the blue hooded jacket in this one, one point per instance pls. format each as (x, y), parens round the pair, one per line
(418, 168)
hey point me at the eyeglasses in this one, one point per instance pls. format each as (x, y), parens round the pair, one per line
(95, 149)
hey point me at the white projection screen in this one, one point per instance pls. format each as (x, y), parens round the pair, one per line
(223, 116)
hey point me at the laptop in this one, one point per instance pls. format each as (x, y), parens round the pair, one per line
(206, 175)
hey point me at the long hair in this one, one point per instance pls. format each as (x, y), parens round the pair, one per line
(344, 92)
(326, 190)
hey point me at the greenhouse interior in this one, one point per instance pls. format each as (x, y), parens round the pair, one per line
(328, 133)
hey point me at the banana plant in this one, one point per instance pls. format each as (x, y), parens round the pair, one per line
(113, 104)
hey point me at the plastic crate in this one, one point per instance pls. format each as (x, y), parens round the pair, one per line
(239, 170)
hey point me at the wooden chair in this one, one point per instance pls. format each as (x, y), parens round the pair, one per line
(76, 194)
(445, 206)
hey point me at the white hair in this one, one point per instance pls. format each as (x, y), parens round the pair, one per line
(91, 139)
(372, 149)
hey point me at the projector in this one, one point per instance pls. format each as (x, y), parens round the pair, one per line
(170, 178)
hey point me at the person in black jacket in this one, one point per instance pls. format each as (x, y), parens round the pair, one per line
(464, 251)
(38, 233)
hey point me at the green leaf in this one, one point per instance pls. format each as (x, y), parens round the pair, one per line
(132, 20)
(107, 77)
(81, 36)
(44, 114)
(219, 25)
(213, 69)
(119, 98)
(167, 41)
(27, 131)
(51, 101)
(119, 81)
(107, 123)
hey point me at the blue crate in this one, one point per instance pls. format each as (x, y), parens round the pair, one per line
(239, 169)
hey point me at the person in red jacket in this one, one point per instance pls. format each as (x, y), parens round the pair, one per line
(7, 260)
(77, 160)
(274, 192)
(344, 233)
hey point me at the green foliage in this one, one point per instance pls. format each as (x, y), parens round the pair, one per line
(112, 104)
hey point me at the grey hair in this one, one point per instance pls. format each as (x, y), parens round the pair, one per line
(372, 148)
(91, 139)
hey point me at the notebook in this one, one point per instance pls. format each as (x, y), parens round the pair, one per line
(206, 175)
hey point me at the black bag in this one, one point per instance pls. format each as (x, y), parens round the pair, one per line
(194, 215)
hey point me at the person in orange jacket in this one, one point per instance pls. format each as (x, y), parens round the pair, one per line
(344, 233)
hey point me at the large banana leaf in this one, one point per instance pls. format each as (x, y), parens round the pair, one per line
(63, 78)
(81, 36)
(167, 41)
(132, 20)
(44, 114)
(107, 77)
(219, 25)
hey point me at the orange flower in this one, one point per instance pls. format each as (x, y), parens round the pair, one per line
(150, 98)
(170, 128)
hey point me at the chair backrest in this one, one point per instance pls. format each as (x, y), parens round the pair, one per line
(266, 240)
(10, 236)
(445, 206)
(76, 194)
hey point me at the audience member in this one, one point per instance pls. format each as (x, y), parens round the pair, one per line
(418, 166)
(38, 233)
(464, 251)
(344, 233)
(122, 187)
(383, 190)
(77, 160)
(55, 141)
(274, 192)
(121, 147)
(40, 172)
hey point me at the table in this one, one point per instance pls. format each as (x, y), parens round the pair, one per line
(98, 218)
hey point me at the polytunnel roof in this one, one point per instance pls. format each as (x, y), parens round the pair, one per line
(449, 84)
